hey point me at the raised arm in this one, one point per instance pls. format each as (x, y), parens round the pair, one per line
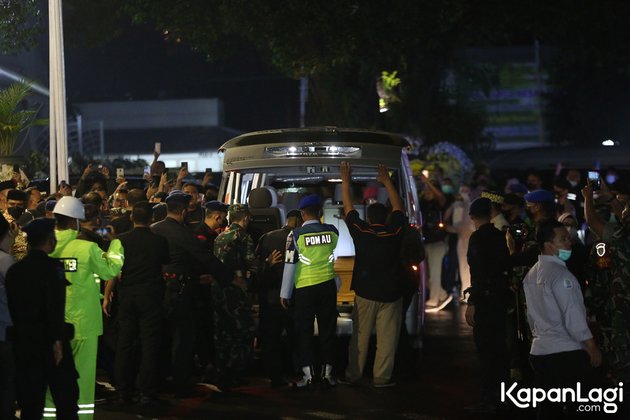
(595, 223)
(346, 182)
(394, 198)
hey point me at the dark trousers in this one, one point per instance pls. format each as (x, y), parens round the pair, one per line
(7, 373)
(319, 301)
(204, 317)
(35, 374)
(561, 370)
(490, 338)
(140, 316)
(274, 320)
(181, 321)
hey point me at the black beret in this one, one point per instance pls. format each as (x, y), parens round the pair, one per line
(178, 197)
(480, 207)
(5, 185)
(39, 227)
(16, 195)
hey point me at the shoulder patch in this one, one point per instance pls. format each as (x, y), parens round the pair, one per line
(568, 284)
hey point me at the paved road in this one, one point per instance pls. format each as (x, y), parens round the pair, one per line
(442, 383)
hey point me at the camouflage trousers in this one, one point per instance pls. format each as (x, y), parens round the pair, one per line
(615, 330)
(233, 330)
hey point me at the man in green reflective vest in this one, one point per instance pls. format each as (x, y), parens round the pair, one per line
(83, 262)
(309, 269)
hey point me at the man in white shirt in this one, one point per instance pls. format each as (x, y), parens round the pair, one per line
(562, 344)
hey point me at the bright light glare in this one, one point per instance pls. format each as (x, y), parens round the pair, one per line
(292, 149)
(333, 148)
(608, 142)
(385, 109)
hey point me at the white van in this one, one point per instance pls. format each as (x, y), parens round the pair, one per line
(291, 163)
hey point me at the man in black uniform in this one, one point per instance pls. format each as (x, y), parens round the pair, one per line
(487, 304)
(185, 255)
(207, 232)
(216, 218)
(195, 213)
(140, 306)
(36, 290)
(273, 319)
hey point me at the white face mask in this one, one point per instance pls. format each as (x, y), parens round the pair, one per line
(573, 183)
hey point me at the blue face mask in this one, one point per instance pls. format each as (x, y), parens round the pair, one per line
(564, 254)
(447, 189)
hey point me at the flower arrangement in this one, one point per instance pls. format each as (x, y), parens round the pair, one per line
(447, 157)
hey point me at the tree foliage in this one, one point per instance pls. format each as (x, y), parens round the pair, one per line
(13, 119)
(19, 25)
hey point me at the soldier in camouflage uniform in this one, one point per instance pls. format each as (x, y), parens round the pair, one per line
(16, 204)
(233, 323)
(610, 290)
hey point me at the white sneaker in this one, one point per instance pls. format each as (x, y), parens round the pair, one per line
(441, 306)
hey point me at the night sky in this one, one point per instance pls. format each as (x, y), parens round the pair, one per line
(142, 65)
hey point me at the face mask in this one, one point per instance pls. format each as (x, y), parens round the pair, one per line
(564, 254)
(447, 189)
(573, 183)
(15, 212)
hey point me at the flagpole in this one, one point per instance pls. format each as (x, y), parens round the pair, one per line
(58, 121)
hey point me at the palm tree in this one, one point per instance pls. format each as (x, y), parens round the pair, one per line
(12, 119)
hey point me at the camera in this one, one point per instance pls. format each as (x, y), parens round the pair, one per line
(518, 231)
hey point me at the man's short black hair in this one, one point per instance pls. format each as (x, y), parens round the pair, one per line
(36, 240)
(142, 213)
(92, 198)
(561, 183)
(377, 213)
(91, 212)
(135, 196)
(546, 232)
(313, 211)
(176, 206)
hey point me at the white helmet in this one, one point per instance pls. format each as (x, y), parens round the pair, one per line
(71, 207)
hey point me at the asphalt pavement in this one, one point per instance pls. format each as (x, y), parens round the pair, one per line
(442, 382)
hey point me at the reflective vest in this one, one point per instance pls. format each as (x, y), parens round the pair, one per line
(315, 245)
(82, 260)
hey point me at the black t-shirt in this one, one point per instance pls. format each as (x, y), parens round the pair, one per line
(376, 274)
(145, 252)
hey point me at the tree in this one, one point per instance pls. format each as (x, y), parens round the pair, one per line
(13, 120)
(19, 25)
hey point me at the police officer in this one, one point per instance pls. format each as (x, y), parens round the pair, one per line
(185, 254)
(234, 327)
(487, 303)
(273, 319)
(309, 269)
(83, 262)
(36, 289)
(140, 306)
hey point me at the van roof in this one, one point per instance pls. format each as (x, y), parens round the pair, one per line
(316, 135)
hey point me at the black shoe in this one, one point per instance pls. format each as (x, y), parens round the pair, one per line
(344, 380)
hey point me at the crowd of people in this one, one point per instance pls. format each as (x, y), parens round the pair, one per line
(544, 273)
(156, 285)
